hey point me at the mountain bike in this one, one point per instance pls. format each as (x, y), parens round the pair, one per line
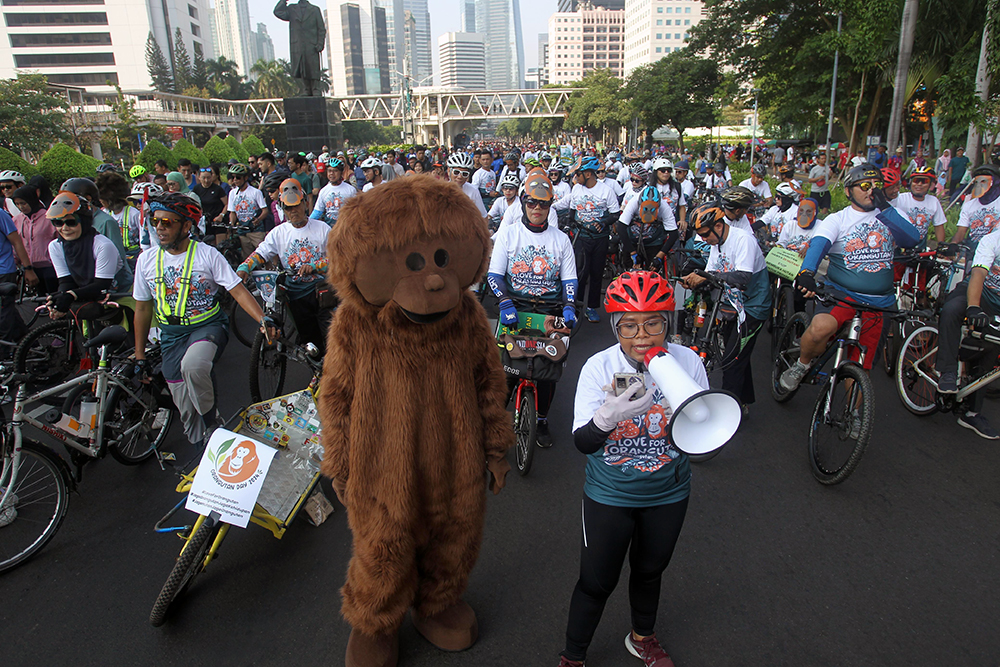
(240, 325)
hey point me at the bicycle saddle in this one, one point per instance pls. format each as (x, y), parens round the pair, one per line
(113, 335)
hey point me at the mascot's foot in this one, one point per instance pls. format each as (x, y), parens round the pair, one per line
(454, 629)
(372, 651)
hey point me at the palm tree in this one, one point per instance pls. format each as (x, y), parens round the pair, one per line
(225, 78)
(273, 79)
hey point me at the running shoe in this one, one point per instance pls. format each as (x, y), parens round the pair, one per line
(649, 651)
(542, 435)
(948, 383)
(566, 662)
(592, 315)
(791, 378)
(980, 425)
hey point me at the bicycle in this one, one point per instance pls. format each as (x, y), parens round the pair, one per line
(242, 327)
(103, 413)
(843, 415)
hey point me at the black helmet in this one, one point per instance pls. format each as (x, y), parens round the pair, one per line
(102, 168)
(84, 187)
(273, 181)
(863, 172)
(737, 197)
(759, 169)
(988, 170)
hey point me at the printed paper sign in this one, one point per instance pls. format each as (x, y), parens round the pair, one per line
(230, 477)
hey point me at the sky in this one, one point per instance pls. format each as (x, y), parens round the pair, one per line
(444, 18)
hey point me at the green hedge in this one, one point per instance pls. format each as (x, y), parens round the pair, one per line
(61, 163)
(218, 151)
(185, 149)
(253, 146)
(239, 152)
(153, 151)
(13, 161)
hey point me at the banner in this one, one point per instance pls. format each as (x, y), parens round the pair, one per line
(230, 477)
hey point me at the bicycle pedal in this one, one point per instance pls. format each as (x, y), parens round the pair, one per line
(167, 456)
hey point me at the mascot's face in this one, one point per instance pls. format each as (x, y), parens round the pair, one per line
(426, 278)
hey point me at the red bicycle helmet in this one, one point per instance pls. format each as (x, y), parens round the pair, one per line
(639, 292)
(890, 176)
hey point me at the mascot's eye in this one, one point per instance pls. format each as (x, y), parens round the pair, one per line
(415, 261)
(441, 258)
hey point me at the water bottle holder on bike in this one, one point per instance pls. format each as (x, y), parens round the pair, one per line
(533, 357)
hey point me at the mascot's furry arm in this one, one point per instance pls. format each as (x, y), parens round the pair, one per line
(336, 394)
(491, 384)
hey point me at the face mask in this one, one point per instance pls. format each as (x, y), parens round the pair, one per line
(807, 216)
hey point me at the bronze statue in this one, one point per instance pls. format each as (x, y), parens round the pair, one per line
(307, 38)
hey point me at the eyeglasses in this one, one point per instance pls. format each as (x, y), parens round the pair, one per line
(920, 181)
(651, 327)
(535, 203)
(866, 186)
(460, 172)
(65, 222)
(206, 170)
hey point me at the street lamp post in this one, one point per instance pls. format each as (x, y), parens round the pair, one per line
(753, 138)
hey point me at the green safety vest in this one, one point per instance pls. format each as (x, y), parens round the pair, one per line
(179, 316)
(130, 243)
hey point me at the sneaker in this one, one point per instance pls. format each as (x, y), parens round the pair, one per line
(566, 662)
(948, 383)
(855, 425)
(791, 378)
(980, 425)
(649, 650)
(592, 315)
(542, 435)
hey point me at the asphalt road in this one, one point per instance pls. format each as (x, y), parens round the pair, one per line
(897, 566)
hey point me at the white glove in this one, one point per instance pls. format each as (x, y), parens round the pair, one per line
(621, 408)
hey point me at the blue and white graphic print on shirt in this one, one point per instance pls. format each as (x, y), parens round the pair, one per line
(867, 247)
(331, 198)
(245, 204)
(591, 205)
(981, 220)
(533, 271)
(732, 295)
(922, 214)
(200, 298)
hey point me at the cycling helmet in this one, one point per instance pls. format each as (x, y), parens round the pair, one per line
(510, 180)
(649, 204)
(590, 163)
(106, 167)
(786, 170)
(545, 156)
(139, 190)
(925, 170)
(662, 163)
(175, 202)
(706, 216)
(639, 170)
(273, 181)
(335, 163)
(737, 197)
(863, 172)
(532, 163)
(371, 163)
(537, 186)
(639, 292)
(460, 161)
(238, 170)
(759, 170)
(84, 187)
(67, 204)
(890, 177)
(512, 157)
(310, 156)
(291, 192)
(136, 171)
(786, 190)
(11, 175)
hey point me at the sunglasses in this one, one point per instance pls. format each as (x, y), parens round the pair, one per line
(663, 170)
(920, 181)
(166, 222)
(205, 170)
(65, 222)
(866, 186)
(636, 180)
(460, 172)
(535, 203)
(705, 233)
(7, 186)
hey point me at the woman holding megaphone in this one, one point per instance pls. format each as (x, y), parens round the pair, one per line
(638, 480)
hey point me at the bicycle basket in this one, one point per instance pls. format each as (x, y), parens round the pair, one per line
(533, 357)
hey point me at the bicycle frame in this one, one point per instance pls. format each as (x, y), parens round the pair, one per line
(837, 349)
(972, 387)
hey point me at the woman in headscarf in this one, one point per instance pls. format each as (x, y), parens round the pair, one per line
(41, 189)
(941, 169)
(36, 233)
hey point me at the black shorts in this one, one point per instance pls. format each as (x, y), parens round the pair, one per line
(822, 199)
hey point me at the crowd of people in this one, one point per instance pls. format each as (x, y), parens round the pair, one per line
(152, 237)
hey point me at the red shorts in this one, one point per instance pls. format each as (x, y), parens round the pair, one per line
(906, 276)
(871, 329)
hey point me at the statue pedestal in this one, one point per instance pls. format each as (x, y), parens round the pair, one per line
(311, 123)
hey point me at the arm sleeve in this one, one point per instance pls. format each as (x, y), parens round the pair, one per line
(588, 438)
(903, 231)
(818, 247)
(738, 279)
(93, 291)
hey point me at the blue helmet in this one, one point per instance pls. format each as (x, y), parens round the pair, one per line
(649, 204)
(590, 163)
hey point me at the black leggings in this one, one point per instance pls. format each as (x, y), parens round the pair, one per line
(591, 255)
(736, 374)
(648, 535)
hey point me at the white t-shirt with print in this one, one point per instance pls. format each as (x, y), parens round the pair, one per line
(107, 260)
(762, 189)
(739, 252)
(497, 210)
(295, 247)
(614, 185)
(534, 264)
(776, 220)
(922, 214)
(331, 198)
(209, 272)
(988, 257)
(472, 192)
(590, 204)
(246, 203)
(485, 179)
(981, 220)
(687, 188)
(794, 237)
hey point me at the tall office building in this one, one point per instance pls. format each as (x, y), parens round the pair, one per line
(543, 59)
(263, 46)
(499, 21)
(232, 26)
(655, 28)
(573, 5)
(423, 67)
(359, 49)
(394, 38)
(462, 60)
(589, 38)
(467, 15)
(83, 43)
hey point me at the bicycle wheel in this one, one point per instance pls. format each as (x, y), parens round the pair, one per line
(919, 351)
(525, 431)
(36, 507)
(786, 353)
(133, 431)
(50, 354)
(268, 363)
(784, 308)
(243, 328)
(189, 564)
(841, 424)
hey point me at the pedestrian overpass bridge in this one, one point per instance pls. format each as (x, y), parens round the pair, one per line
(424, 112)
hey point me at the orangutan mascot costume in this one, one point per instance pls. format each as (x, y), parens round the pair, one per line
(412, 403)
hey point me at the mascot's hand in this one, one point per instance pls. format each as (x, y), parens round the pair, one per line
(340, 488)
(498, 473)
(508, 314)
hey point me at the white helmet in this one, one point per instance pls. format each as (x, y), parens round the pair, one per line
(545, 156)
(11, 175)
(139, 188)
(460, 161)
(310, 156)
(662, 163)
(371, 162)
(511, 179)
(786, 190)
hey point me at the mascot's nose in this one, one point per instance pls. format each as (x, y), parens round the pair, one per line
(433, 283)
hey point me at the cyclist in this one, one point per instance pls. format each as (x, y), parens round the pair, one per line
(12, 327)
(509, 187)
(36, 232)
(819, 178)
(786, 174)
(10, 180)
(975, 302)
(512, 162)
(534, 260)
(247, 208)
(139, 198)
(460, 169)
(981, 210)
(714, 182)
(923, 211)
(214, 202)
(860, 241)
(736, 202)
(114, 191)
(758, 185)
(372, 169)
(557, 174)
(546, 159)
(595, 206)
(636, 182)
(603, 177)
(797, 237)
(655, 233)
(334, 194)
(104, 224)
(485, 180)
(681, 171)
(86, 263)
(299, 246)
(181, 279)
(670, 190)
(271, 187)
(784, 210)
(892, 181)
(138, 174)
(300, 171)
(637, 483)
(736, 259)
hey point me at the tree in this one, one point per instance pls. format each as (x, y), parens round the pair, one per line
(237, 149)
(274, 79)
(182, 62)
(217, 151)
(121, 139)
(601, 107)
(199, 72)
(61, 163)
(676, 90)
(158, 67)
(253, 145)
(14, 162)
(225, 79)
(546, 127)
(185, 149)
(153, 151)
(31, 118)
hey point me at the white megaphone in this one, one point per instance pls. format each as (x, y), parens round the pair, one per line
(703, 420)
